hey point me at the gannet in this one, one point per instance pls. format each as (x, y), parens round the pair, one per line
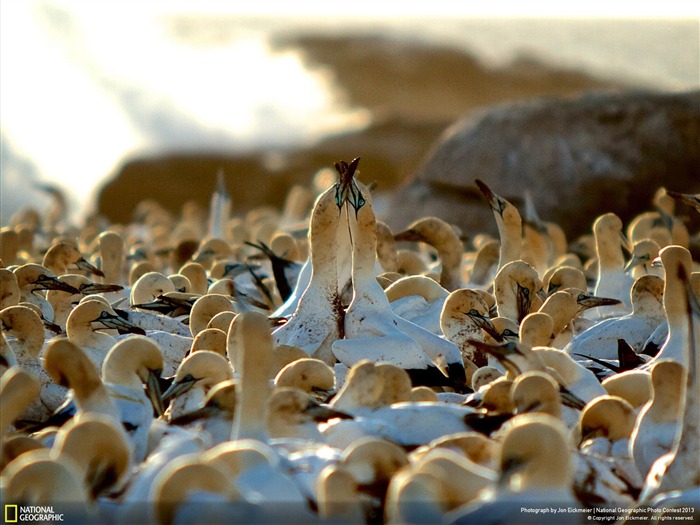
(675, 258)
(196, 375)
(441, 236)
(33, 278)
(82, 332)
(197, 276)
(535, 464)
(316, 322)
(418, 299)
(464, 317)
(612, 280)
(62, 302)
(98, 447)
(657, 423)
(34, 478)
(130, 365)
(62, 255)
(509, 225)
(9, 289)
(251, 333)
(516, 287)
(600, 340)
(261, 475)
(215, 416)
(18, 390)
(27, 329)
(679, 470)
(312, 376)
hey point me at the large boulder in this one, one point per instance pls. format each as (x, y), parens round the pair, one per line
(578, 158)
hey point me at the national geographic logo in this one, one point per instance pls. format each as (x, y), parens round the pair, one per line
(17, 514)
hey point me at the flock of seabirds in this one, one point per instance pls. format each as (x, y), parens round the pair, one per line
(310, 365)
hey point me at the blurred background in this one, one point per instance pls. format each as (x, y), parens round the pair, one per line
(117, 101)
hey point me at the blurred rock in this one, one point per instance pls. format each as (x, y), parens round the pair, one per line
(413, 90)
(578, 158)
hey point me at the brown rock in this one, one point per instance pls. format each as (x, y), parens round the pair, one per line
(578, 158)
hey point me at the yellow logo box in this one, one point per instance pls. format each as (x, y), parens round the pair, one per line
(10, 513)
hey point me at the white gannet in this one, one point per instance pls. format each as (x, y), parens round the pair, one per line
(64, 254)
(215, 416)
(32, 280)
(130, 365)
(82, 332)
(441, 236)
(206, 307)
(612, 279)
(99, 447)
(657, 423)
(509, 225)
(313, 376)
(464, 317)
(535, 464)
(63, 302)
(253, 362)
(316, 322)
(418, 299)
(516, 287)
(196, 375)
(27, 330)
(36, 479)
(9, 289)
(600, 340)
(679, 469)
(18, 389)
(675, 259)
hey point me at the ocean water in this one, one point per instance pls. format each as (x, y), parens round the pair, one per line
(84, 85)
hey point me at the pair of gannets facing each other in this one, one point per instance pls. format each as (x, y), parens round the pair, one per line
(63, 302)
(372, 330)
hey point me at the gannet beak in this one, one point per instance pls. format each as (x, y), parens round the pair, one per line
(153, 391)
(500, 352)
(46, 282)
(322, 413)
(51, 326)
(635, 261)
(109, 320)
(409, 235)
(179, 387)
(592, 301)
(87, 289)
(626, 244)
(485, 324)
(570, 399)
(656, 263)
(509, 467)
(85, 265)
(496, 204)
(346, 189)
